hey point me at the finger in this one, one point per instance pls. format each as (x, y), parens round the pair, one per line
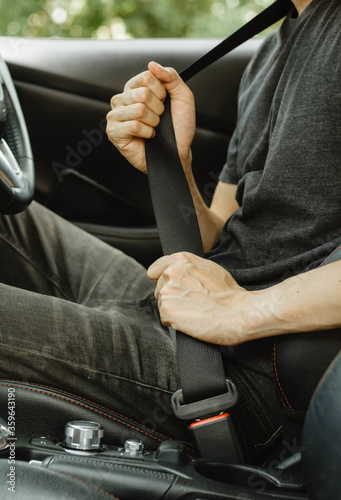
(172, 81)
(158, 267)
(123, 131)
(167, 285)
(141, 95)
(148, 80)
(136, 111)
(164, 75)
(159, 286)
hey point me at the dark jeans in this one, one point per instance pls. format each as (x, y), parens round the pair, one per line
(81, 316)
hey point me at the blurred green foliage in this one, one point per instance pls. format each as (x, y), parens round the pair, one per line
(125, 18)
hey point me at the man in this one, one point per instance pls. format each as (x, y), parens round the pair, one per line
(283, 217)
(91, 312)
(209, 289)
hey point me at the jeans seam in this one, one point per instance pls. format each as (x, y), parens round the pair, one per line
(28, 257)
(119, 377)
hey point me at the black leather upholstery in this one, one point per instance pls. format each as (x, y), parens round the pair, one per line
(300, 361)
(124, 478)
(35, 483)
(45, 411)
(321, 458)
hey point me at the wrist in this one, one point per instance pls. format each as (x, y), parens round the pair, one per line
(242, 321)
(265, 314)
(260, 317)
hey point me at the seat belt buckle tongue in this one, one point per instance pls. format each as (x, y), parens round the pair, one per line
(212, 431)
(205, 407)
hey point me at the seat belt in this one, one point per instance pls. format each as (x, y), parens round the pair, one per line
(205, 394)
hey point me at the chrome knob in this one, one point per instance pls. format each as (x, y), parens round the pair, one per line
(4, 434)
(133, 447)
(83, 435)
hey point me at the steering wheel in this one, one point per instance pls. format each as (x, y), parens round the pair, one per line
(16, 159)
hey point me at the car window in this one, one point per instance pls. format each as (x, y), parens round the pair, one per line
(120, 19)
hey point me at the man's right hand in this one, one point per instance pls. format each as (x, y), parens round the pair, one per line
(136, 113)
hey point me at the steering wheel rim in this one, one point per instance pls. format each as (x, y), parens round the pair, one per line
(17, 178)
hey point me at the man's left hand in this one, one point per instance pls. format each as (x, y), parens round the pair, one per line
(199, 298)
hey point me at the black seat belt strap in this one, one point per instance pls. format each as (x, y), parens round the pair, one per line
(205, 392)
(269, 16)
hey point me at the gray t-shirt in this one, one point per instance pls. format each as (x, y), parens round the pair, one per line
(285, 154)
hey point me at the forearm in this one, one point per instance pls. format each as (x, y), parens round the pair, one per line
(210, 223)
(308, 302)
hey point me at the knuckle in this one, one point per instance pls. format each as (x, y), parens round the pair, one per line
(169, 273)
(114, 100)
(111, 115)
(143, 94)
(110, 131)
(130, 83)
(163, 318)
(165, 291)
(111, 122)
(182, 257)
(139, 110)
(150, 134)
(164, 309)
(147, 78)
(162, 93)
(135, 127)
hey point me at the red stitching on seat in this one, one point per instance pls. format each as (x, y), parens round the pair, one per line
(278, 385)
(92, 409)
(83, 399)
(162, 436)
(275, 382)
(85, 406)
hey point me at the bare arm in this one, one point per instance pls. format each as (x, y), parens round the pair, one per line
(202, 299)
(307, 302)
(211, 219)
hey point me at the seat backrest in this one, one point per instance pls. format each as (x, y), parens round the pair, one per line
(321, 441)
(300, 360)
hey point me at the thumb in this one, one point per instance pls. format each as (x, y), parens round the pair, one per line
(169, 77)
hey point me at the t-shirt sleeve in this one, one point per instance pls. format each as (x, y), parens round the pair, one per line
(229, 173)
